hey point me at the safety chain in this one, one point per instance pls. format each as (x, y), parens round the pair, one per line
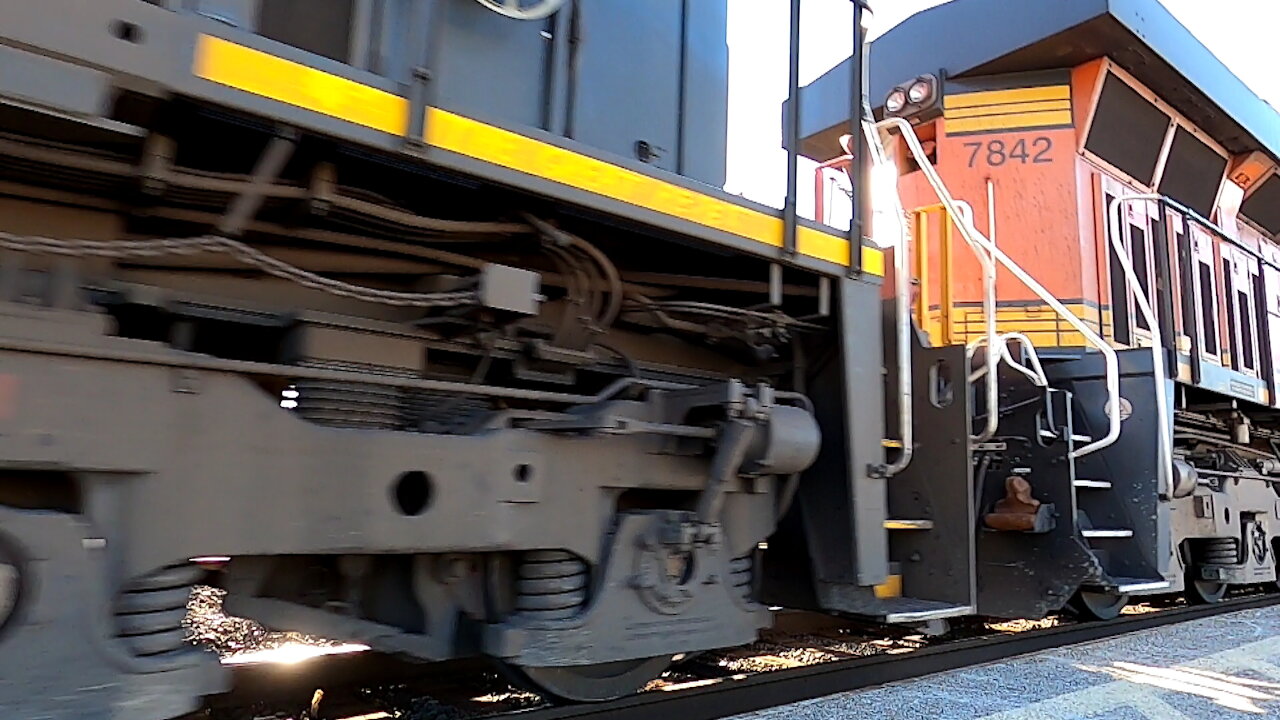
(240, 251)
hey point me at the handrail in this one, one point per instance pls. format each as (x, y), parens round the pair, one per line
(1036, 374)
(989, 312)
(1164, 449)
(971, 234)
(902, 282)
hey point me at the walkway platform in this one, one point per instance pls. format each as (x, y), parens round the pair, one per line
(1217, 668)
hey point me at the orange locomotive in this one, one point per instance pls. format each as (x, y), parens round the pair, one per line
(1131, 184)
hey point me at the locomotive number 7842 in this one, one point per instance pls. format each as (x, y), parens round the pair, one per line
(994, 153)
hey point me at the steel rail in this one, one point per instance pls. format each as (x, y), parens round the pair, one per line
(734, 696)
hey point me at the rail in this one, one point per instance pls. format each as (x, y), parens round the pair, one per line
(739, 694)
(973, 236)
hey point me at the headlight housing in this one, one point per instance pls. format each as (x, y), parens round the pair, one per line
(896, 101)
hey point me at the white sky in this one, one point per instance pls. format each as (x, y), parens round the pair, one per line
(1242, 33)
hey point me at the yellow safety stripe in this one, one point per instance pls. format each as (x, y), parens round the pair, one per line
(260, 73)
(1000, 97)
(1040, 323)
(465, 136)
(1013, 109)
(1008, 109)
(890, 588)
(1011, 121)
(265, 75)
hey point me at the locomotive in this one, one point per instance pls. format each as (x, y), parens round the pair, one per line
(431, 318)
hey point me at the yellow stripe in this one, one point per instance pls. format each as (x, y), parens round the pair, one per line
(455, 133)
(254, 71)
(1015, 95)
(275, 78)
(1010, 122)
(891, 587)
(1007, 108)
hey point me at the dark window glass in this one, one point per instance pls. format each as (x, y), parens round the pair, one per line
(1192, 173)
(1246, 329)
(319, 26)
(1138, 238)
(1231, 314)
(1210, 339)
(1119, 299)
(1127, 131)
(1263, 206)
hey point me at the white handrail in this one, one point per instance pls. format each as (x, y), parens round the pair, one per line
(1110, 360)
(1164, 449)
(989, 313)
(1035, 374)
(902, 281)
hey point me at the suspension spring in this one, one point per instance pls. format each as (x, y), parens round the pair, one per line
(349, 404)
(1219, 551)
(551, 585)
(151, 609)
(740, 576)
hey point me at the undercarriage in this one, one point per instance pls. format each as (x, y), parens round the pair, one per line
(465, 425)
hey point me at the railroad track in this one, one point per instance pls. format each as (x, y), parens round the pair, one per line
(705, 691)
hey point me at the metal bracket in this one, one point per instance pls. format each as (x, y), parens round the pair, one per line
(270, 164)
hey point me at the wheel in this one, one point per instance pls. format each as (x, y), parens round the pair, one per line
(592, 683)
(1203, 592)
(1098, 605)
(10, 583)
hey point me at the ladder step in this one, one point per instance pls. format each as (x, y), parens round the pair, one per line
(1134, 585)
(1107, 533)
(908, 524)
(908, 610)
(1075, 438)
(1138, 585)
(891, 444)
(1098, 484)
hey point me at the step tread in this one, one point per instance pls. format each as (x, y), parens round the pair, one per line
(1107, 533)
(897, 524)
(1138, 585)
(1098, 484)
(908, 609)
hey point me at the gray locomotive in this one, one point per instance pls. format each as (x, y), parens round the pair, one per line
(430, 318)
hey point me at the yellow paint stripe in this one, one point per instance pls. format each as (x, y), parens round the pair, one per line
(891, 587)
(1007, 108)
(1015, 95)
(266, 75)
(1010, 122)
(455, 133)
(253, 71)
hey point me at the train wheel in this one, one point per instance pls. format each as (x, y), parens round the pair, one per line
(1203, 592)
(1098, 605)
(593, 683)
